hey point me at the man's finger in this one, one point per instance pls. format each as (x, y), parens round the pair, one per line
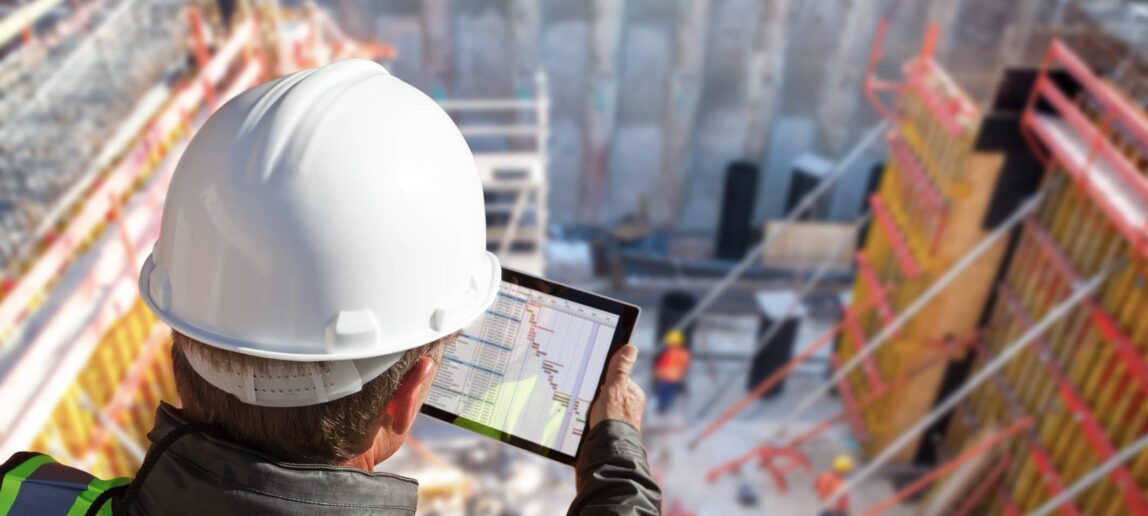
(622, 364)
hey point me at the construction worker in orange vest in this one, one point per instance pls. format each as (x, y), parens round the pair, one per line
(828, 482)
(670, 369)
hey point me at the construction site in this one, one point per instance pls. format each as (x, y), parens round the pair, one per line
(906, 235)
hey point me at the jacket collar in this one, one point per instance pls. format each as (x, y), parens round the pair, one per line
(198, 463)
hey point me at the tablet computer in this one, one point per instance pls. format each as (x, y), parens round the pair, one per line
(526, 372)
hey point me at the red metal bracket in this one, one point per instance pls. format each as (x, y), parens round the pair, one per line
(945, 111)
(767, 457)
(851, 408)
(1052, 479)
(880, 293)
(1129, 357)
(912, 167)
(1121, 342)
(1125, 111)
(202, 56)
(871, 372)
(981, 448)
(1115, 109)
(982, 490)
(874, 84)
(1048, 472)
(909, 265)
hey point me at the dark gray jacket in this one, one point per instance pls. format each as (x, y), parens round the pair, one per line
(192, 473)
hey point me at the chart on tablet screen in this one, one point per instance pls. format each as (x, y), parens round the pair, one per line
(529, 367)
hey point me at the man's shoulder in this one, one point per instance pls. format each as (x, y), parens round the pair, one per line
(34, 483)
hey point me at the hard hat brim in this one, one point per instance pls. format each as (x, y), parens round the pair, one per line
(489, 279)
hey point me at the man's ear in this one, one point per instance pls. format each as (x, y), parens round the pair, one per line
(406, 401)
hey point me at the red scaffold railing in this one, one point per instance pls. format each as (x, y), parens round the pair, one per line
(1084, 148)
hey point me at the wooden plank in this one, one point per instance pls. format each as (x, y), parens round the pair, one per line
(807, 244)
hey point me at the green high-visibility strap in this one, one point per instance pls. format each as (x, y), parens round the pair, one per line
(13, 479)
(95, 488)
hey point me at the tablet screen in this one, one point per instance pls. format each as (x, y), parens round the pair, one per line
(527, 371)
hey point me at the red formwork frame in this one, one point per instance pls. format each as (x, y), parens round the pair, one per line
(930, 195)
(1039, 457)
(874, 85)
(195, 20)
(905, 259)
(869, 276)
(1036, 453)
(1115, 109)
(1097, 439)
(884, 309)
(1121, 342)
(923, 187)
(946, 111)
(867, 364)
(851, 412)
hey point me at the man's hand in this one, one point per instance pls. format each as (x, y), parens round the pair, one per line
(621, 398)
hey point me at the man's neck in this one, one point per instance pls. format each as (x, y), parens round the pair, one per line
(385, 445)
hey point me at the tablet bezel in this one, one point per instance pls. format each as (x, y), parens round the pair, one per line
(627, 319)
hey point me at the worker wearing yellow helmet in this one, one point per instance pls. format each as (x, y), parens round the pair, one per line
(670, 369)
(323, 240)
(829, 482)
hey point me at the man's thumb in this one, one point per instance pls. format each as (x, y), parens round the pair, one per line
(622, 364)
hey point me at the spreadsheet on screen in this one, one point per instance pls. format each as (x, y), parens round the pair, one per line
(529, 367)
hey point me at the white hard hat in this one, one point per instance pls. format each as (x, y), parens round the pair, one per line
(333, 215)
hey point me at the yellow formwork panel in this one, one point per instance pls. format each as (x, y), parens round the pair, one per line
(1083, 242)
(941, 152)
(936, 190)
(130, 367)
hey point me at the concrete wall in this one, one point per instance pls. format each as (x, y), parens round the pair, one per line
(602, 171)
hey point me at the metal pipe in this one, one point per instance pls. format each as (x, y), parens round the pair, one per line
(1092, 477)
(983, 447)
(1079, 294)
(923, 300)
(806, 202)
